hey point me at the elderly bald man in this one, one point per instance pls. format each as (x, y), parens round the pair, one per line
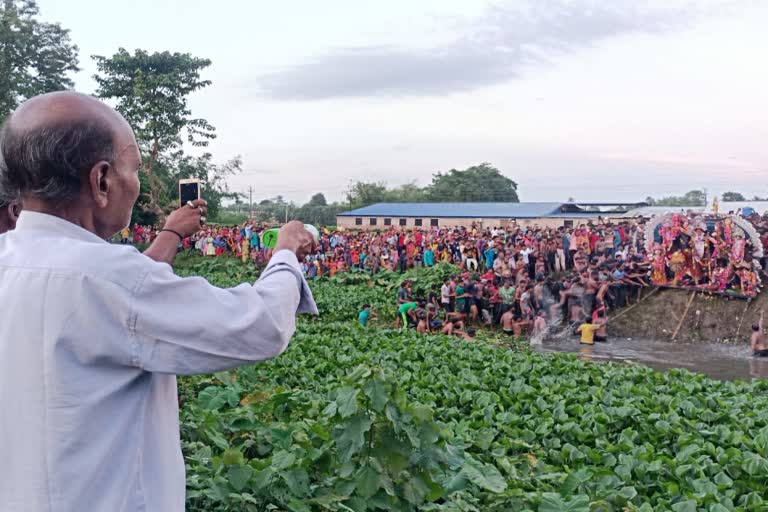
(92, 334)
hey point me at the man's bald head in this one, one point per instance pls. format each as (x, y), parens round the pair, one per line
(51, 142)
(59, 107)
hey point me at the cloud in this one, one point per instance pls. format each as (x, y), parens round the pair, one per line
(491, 49)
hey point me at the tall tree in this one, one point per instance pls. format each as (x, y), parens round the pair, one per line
(408, 193)
(152, 92)
(690, 198)
(481, 183)
(318, 200)
(361, 193)
(733, 196)
(35, 57)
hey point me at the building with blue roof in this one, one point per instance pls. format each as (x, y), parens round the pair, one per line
(492, 215)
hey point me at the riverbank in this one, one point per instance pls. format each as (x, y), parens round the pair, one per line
(688, 317)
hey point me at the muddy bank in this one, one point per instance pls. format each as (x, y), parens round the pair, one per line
(677, 315)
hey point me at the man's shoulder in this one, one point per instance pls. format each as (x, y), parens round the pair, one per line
(119, 264)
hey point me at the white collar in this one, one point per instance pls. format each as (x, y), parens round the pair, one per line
(36, 221)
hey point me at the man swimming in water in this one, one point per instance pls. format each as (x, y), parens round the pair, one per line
(757, 340)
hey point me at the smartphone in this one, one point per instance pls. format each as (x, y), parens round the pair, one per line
(189, 190)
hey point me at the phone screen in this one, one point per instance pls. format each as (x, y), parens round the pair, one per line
(188, 192)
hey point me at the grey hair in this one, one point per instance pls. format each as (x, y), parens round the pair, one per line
(50, 162)
(6, 196)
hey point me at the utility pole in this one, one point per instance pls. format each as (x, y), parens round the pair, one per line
(286, 213)
(250, 202)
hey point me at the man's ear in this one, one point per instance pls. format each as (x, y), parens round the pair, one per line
(14, 209)
(100, 180)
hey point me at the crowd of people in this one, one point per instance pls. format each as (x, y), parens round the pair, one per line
(519, 279)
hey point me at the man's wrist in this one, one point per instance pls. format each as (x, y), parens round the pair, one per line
(172, 232)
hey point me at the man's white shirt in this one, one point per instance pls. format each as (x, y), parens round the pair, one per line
(92, 336)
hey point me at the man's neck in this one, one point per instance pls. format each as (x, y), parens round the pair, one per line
(77, 215)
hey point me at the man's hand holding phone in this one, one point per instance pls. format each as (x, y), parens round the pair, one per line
(186, 221)
(295, 238)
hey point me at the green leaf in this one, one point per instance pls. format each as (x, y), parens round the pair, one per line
(552, 502)
(627, 494)
(368, 482)
(212, 398)
(296, 505)
(346, 401)
(484, 476)
(231, 457)
(239, 476)
(297, 481)
(723, 479)
(352, 438)
(376, 391)
(574, 480)
(283, 459)
(685, 506)
(415, 490)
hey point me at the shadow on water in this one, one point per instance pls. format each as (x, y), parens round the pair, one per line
(725, 362)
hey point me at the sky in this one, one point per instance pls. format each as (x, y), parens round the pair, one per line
(596, 100)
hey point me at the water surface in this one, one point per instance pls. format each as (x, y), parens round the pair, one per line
(725, 362)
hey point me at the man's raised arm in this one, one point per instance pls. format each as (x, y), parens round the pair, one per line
(180, 224)
(187, 326)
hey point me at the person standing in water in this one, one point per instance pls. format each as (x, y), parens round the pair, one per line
(587, 331)
(757, 340)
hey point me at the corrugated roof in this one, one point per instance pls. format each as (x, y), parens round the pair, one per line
(579, 215)
(458, 210)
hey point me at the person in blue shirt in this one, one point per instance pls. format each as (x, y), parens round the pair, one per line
(365, 315)
(490, 256)
(429, 257)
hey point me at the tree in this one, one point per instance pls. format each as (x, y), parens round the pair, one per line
(213, 179)
(733, 196)
(35, 57)
(481, 183)
(362, 193)
(151, 92)
(275, 209)
(408, 193)
(318, 200)
(691, 198)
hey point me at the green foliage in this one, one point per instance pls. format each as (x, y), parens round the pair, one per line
(733, 196)
(152, 91)
(479, 183)
(691, 198)
(342, 295)
(228, 218)
(224, 271)
(35, 57)
(363, 419)
(317, 200)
